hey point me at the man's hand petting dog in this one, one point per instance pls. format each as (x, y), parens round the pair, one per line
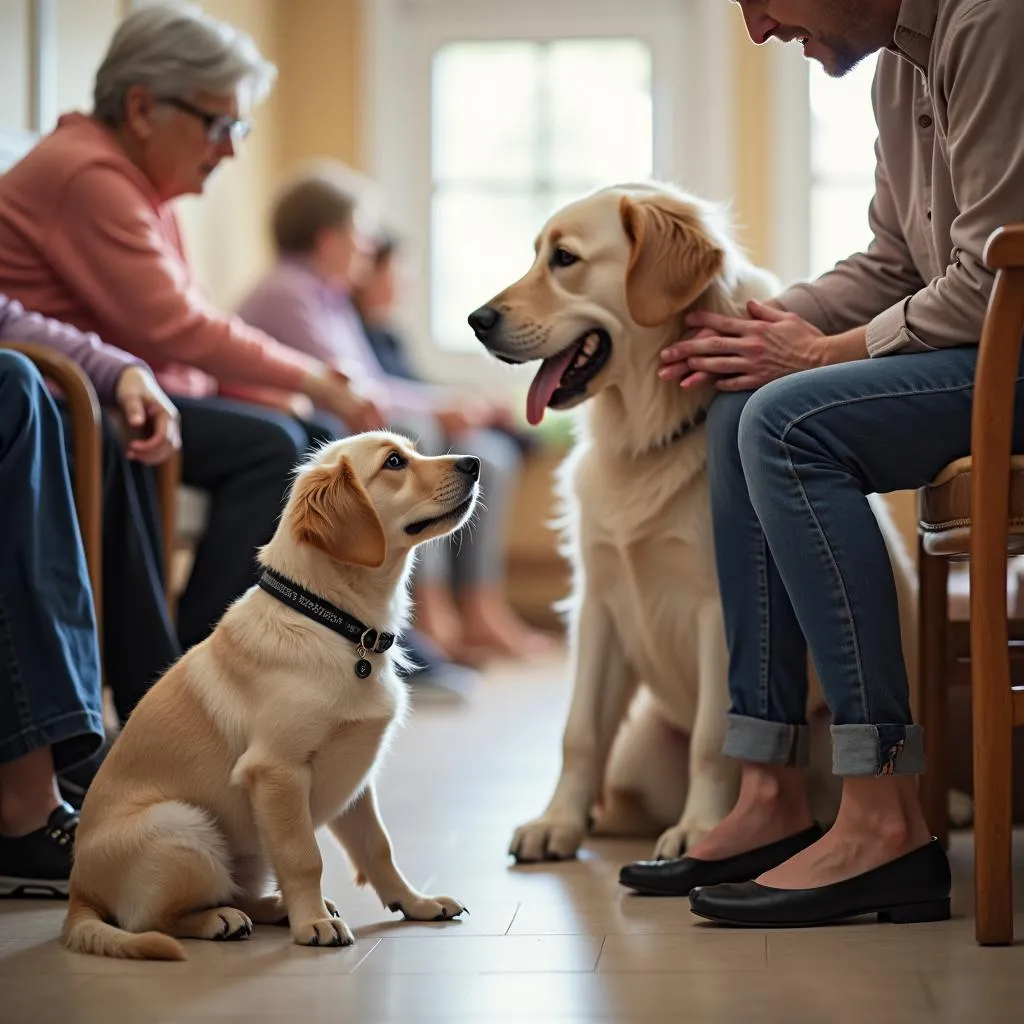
(737, 354)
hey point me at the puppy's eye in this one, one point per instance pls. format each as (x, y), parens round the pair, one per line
(395, 461)
(563, 258)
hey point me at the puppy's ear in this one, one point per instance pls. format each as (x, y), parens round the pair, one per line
(334, 513)
(671, 258)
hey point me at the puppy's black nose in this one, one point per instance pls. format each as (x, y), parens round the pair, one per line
(469, 465)
(483, 321)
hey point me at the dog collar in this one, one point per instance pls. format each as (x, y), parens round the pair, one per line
(366, 638)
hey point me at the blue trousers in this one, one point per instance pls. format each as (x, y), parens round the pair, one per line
(801, 560)
(50, 691)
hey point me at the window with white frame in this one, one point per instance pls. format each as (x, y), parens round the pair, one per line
(518, 129)
(484, 116)
(842, 158)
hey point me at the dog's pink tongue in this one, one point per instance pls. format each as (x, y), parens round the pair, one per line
(545, 384)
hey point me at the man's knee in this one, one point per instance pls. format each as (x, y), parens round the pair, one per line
(768, 419)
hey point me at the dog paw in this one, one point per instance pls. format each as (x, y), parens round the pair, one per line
(547, 839)
(674, 841)
(272, 910)
(428, 908)
(328, 931)
(225, 924)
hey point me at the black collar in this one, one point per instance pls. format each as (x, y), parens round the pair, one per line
(366, 638)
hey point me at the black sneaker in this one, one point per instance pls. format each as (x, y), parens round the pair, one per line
(38, 865)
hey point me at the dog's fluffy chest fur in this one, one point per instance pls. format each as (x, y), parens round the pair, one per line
(647, 551)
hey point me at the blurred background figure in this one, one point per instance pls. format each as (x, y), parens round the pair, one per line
(330, 295)
(461, 591)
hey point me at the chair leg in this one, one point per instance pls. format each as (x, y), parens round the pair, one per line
(933, 658)
(992, 710)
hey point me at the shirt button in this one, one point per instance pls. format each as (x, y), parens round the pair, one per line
(924, 121)
(928, 214)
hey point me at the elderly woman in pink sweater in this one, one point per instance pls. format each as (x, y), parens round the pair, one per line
(88, 236)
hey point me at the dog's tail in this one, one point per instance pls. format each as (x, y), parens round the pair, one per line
(85, 931)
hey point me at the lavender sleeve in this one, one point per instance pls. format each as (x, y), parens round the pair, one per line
(292, 307)
(103, 364)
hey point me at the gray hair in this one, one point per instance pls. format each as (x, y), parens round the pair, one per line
(175, 49)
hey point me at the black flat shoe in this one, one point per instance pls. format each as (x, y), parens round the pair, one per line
(910, 890)
(677, 877)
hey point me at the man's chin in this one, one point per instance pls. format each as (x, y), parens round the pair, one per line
(836, 62)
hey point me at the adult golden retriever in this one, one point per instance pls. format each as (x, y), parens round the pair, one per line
(272, 727)
(613, 278)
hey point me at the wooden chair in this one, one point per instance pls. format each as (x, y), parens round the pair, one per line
(86, 432)
(975, 509)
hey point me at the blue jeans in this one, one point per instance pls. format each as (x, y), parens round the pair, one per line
(49, 660)
(800, 554)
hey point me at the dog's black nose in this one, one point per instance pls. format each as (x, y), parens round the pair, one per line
(470, 465)
(483, 321)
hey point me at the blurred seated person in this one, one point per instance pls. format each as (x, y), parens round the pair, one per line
(139, 641)
(326, 269)
(88, 236)
(51, 721)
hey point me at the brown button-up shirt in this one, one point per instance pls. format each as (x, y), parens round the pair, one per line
(948, 97)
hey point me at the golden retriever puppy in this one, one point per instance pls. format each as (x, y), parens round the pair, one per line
(614, 275)
(272, 726)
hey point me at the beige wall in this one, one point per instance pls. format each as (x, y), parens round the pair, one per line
(15, 44)
(753, 139)
(321, 81)
(315, 110)
(83, 30)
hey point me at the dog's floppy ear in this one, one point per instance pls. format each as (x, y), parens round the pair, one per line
(671, 258)
(334, 513)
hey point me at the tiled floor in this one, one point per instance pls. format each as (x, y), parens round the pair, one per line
(558, 943)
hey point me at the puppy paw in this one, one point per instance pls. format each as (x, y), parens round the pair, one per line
(428, 908)
(327, 931)
(547, 839)
(272, 910)
(221, 924)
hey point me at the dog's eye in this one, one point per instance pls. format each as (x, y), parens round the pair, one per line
(395, 461)
(563, 258)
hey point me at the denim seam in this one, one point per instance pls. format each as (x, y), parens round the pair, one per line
(22, 705)
(842, 584)
(764, 674)
(796, 421)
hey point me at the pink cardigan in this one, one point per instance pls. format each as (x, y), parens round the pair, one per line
(84, 239)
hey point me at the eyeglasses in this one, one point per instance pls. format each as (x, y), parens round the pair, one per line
(219, 127)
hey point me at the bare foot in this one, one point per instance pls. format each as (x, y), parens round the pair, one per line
(437, 618)
(772, 805)
(490, 623)
(879, 821)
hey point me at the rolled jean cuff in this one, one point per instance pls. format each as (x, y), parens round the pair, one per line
(763, 742)
(877, 750)
(73, 736)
